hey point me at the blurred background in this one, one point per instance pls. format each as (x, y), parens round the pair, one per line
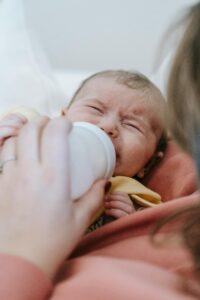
(91, 34)
(47, 47)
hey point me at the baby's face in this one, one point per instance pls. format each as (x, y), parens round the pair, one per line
(131, 121)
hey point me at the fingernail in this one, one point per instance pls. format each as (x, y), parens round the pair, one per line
(107, 187)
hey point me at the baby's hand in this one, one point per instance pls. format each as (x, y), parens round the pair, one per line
(10, 125)
(118, 205)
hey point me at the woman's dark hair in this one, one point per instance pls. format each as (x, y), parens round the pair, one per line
(184, 83)
(184, 121)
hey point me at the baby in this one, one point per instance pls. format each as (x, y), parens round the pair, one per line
(129, 108)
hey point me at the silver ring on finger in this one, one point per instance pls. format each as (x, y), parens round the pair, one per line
(3, 162)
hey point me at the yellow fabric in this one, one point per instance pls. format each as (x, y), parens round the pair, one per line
(137, 191)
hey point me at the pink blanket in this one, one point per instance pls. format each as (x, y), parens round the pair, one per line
(174, 176)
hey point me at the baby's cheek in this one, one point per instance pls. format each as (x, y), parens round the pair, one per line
(132, 163)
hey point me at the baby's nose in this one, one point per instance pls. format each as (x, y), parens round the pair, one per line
(111, 131)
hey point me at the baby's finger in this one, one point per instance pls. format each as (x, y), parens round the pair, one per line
(120, 197)
(116, 213)
(120, 205)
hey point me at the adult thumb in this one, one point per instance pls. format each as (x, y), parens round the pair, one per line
(90, 203)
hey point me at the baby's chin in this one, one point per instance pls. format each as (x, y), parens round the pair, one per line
(120, 170)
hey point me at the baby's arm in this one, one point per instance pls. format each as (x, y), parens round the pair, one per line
(10, 125)
(118, 205)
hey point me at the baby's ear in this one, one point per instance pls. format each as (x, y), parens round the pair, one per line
(160, 154)
(64, 111)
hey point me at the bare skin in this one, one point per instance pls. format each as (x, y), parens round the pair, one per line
(36, 207)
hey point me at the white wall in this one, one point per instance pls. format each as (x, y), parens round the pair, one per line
(102, 34)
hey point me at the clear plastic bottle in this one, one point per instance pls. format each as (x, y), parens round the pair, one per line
(92, 157)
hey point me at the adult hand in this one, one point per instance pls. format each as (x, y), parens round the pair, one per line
(38, 219)
(10, 125)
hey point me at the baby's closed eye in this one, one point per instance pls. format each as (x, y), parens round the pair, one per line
(95, 108)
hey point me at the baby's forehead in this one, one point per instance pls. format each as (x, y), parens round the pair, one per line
(99, 83)
(109, 87)
(109, 91)
(143, 102)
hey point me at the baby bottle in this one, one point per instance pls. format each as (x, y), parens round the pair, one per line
(91, 153)
(92, 157)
